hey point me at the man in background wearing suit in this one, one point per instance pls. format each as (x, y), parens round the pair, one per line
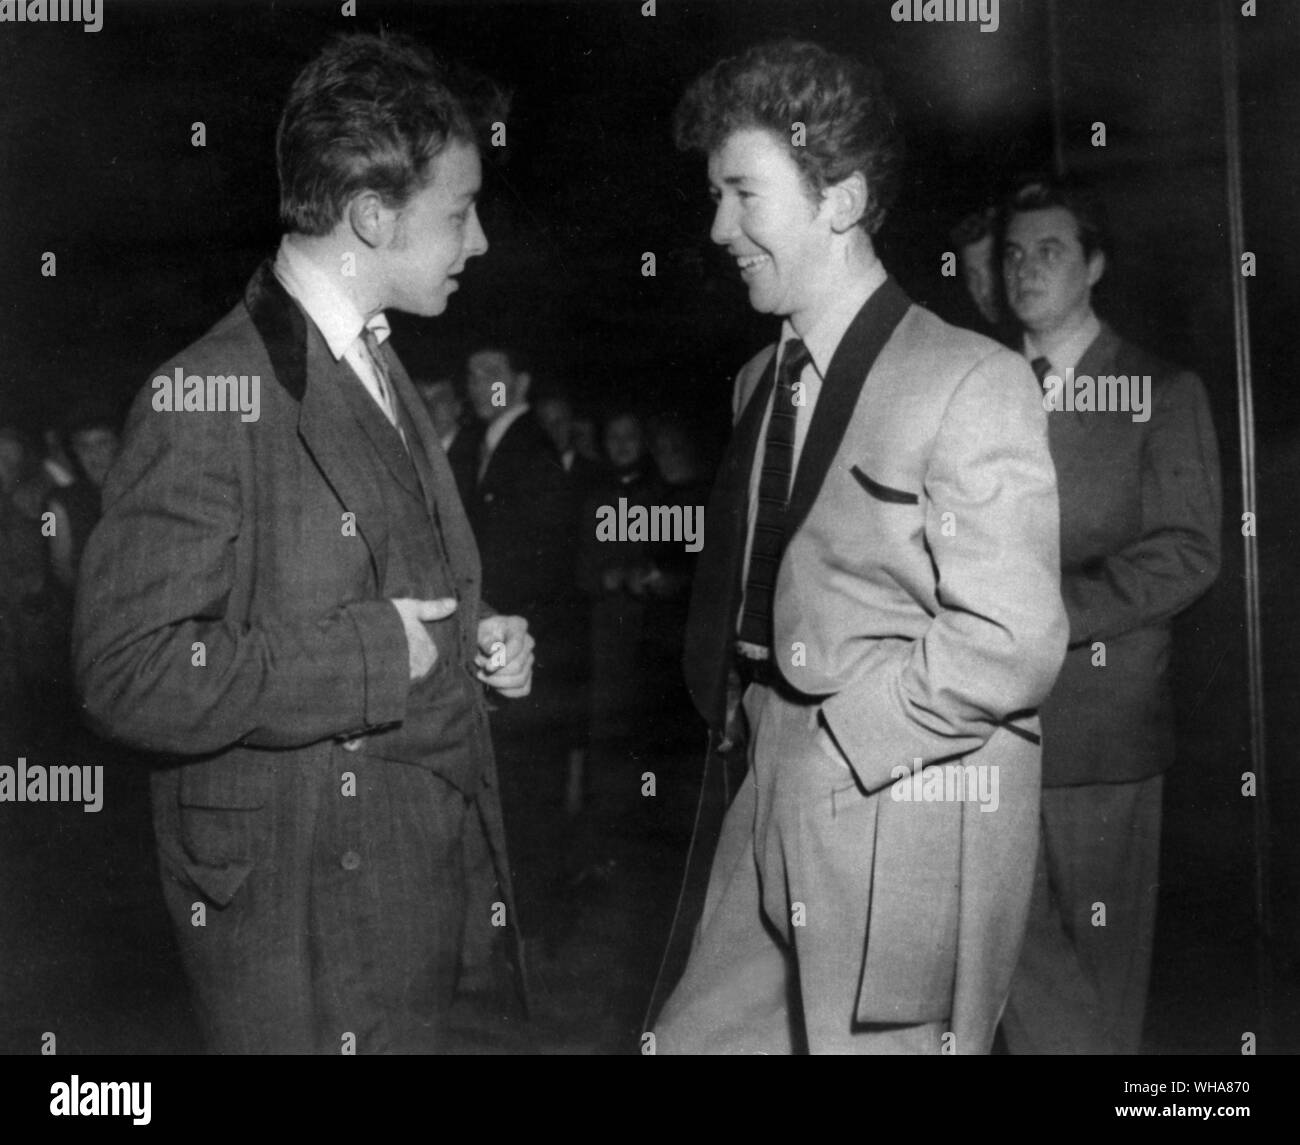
(880, 568)
(284, 609)
(525, 518)
(460, 439)
(1140, 516)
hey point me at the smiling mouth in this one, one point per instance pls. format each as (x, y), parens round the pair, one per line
(751, 262)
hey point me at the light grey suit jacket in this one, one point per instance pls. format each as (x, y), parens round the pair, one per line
(919, 596)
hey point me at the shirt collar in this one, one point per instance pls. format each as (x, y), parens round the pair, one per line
(326, 305)
(59, 474)
(826, 333)
(497, 430)
(1070, 353)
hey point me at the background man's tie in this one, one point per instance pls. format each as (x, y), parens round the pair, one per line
(1041, 367)
(773, 495)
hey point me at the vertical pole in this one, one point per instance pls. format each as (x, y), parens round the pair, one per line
(1056, 82)
(1246, 430)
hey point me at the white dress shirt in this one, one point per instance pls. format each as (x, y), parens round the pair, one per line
(1069, 353)
(495, 432)
(336, 318)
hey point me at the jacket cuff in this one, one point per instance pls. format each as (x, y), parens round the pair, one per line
(877, 738)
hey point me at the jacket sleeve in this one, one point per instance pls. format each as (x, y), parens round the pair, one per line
(160, 664)
(1176, 558)
(997, 639)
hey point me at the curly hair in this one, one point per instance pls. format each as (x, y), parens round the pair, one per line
(850, 124)
(371, 113)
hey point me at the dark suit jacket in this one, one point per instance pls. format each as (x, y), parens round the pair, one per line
(462, 456)
(234, 535)
(1140, 518)
(524, 519)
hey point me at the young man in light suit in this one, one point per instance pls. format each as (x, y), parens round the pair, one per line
(880, 569)
(283, 612)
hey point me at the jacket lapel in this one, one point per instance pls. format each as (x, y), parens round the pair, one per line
(715, 591)
(378, 429)
(1098, 359)
(307, 371)
(854, 357)
(436, 478)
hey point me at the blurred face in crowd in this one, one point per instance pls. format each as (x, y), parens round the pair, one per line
(95, 450)
(494, 386)
(442, 403)
(624, 443)
(778, 236)
(435, 234)
(978, 273)
(556, 417)
(673, 456)
(583, 435)
(1048, 277)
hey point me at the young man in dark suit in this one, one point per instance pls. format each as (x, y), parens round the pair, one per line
(880, 569)
(282, 605)
(1138, 469)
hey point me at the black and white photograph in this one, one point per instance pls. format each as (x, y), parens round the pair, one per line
(650, 528)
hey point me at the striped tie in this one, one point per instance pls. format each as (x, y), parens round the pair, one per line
(773, 495)
(380, 368)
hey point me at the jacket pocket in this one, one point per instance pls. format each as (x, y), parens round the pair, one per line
(220, 847)
(883, 492)
(223, 822)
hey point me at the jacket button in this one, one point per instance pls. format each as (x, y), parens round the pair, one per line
(352, 744)
(350, 861)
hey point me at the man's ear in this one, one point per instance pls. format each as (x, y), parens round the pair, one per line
(1096, 267)
(846, 202)
(372, 222)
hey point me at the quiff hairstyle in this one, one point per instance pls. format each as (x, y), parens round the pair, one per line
(850, 125)
(370, 113)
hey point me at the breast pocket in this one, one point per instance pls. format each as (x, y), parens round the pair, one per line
(880, 492)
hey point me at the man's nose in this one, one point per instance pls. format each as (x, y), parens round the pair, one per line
(476, 242)
(724, 225)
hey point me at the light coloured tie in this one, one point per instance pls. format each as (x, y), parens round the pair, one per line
(380, 367)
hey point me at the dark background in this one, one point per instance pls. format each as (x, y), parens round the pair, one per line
(155, 240)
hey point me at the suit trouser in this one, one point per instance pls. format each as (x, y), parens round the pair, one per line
(346, 931)
(1081, 987)
(778, 955)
